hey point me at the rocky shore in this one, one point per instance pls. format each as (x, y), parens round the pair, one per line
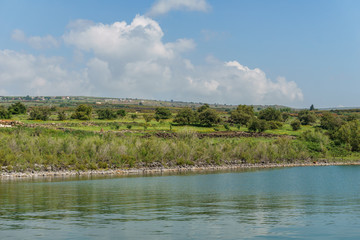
(159, 170)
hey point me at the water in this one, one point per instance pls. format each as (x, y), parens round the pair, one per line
(288, 203)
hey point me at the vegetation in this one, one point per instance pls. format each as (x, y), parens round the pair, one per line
(82, 112)
(199, 134)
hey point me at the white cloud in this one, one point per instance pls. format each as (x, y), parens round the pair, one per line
(165, 6)
(22, 74)
(35, 41)
(132, 60)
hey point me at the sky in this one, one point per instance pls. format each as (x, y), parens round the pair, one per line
(293, 53)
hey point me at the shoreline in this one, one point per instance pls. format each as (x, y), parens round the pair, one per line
(162, 170)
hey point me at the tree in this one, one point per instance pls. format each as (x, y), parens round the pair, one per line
(312, 108)
(270, 114)
(209, 117)
(306, 117)
(39, 113)
(162, 113)
(186, 116)
(203, 108)
(82, 112)
(121, 113)
(4, 113)
(106, 114)
(349, 134)
(17, 108)
(242, 114)
(330, 122)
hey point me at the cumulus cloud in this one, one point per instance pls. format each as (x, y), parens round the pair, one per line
(22, 74)
(35, 41)
(165, 6)
(132, 60)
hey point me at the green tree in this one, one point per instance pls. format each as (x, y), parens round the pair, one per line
(40, 113)
(203, 108)
(242, 115)
(349, 134)
(306, 117)
(270, 114)
(4, 113)
(17, 108)
(186, 116)
(312, 108)
(330, 121)
(121, 113)
(106, 113)
(209, 117)
(82, 112)
(162, 113)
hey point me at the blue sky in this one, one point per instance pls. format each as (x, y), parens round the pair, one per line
(294, 53)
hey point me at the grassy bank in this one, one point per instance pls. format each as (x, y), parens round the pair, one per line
(39, 149)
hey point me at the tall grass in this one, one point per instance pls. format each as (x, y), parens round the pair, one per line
(44, 149)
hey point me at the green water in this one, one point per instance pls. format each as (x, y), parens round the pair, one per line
(298, 203)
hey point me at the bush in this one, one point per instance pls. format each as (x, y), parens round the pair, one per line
(17, 108)
(296, 125)
(306, 117)
(331, 122)
(162, 113)
(242, 114)
(39, 113)
(270, 114)
(82, 112)
(121, 113)
(106, 114)
(209, 117)
(4, 113)
(349, 134)
(257, 125)
(148, 117)
(186, 116)
(61, 115)
(274, 124)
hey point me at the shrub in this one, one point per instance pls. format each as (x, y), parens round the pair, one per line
(306, 117)
(270, 114)
(121, 113)
(186, 116)
(106, 114)
(61, 115)
(242, 114)
(257, 125)
(39, 113)
(82, 112)
(162, 113)
(17, 108)
(296, 125)
(209, 117)
(4, 113)
(349, 133)
(329, 121)
(148, 117)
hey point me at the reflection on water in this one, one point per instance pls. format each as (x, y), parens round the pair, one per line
(301, 202)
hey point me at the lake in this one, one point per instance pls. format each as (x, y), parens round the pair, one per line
(281, 203)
